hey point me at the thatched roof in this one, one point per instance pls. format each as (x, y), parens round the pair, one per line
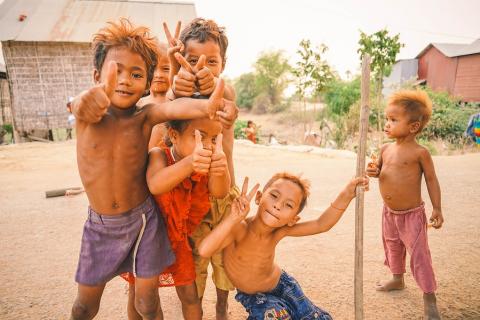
(78, 20)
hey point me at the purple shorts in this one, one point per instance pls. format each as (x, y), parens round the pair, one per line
(135, 241)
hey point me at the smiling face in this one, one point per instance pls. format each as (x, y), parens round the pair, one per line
(160, 80)
(184, 141)
(131, 76)
(279, 204)
(210, 49)
(398, 123)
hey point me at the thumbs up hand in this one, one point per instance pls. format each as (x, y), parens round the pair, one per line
(91, 105)
(218, 167)
(201, 158)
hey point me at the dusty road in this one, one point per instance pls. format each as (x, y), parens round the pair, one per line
(40, 238)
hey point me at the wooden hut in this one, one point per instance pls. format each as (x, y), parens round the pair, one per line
(454, 68)
(46, 47)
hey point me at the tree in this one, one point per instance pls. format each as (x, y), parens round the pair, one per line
(246, 90)
(271, 70)
(383, 50)
(312, 72)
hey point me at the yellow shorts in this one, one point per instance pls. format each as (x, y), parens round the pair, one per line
(220, 208)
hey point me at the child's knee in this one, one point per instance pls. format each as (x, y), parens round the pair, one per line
(147, 306)
(81, 311)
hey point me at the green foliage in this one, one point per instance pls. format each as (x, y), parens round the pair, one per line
(239, 130)
(429, 145)
(382, 48)
(245, 87)
(312, 72)
(449, 119)
(340, 95)
(271, 70)
(8, 128)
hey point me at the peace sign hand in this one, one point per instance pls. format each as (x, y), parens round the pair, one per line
(174, 45)
(241, 205)
(201, 158)
(92, 104)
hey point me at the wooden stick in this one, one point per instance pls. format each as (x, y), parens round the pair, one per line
(63, 192)
(364, 113)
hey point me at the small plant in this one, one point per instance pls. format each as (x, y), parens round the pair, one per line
(239, 131)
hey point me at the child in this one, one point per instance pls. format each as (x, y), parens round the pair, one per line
(400, 167)
(250, 131)
(204, 48)
(182, 177)
(158, 90)
(264, 289)
(124, 231)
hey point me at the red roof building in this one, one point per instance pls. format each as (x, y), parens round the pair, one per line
(454, 68)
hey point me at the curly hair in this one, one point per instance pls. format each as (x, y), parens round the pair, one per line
(124, 34)
(304, 185)
(416, 104)
(202, 30)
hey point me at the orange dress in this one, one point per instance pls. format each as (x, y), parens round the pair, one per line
(183, 209)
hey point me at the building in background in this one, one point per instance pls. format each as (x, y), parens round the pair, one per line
(46, 48)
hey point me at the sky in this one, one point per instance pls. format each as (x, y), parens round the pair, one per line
(256, 26)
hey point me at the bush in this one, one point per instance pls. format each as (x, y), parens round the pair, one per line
(239, 130)
(340, 95)
(449, 119)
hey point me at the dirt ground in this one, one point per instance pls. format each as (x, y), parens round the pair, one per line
(40, 238)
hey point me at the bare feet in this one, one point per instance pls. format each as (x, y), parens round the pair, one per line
(430, 307)
(396, 283)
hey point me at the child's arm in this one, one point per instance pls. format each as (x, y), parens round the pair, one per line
(91, 105)
(162, 178)
(186, 108)
(219, 177)
(330, 216)
(225, 233)
(229, 131)
(433, 187)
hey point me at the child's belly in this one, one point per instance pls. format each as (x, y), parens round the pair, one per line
(400, 190)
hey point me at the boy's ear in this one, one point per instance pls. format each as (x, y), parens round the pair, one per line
(415, 127)
(258, 196)
(293, 221)
(96, 76)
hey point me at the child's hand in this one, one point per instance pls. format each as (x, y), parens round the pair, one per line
(184, 82)
(228, 115)
(92, 104)
(216, 101)
(218, 167)
(436, 219)
(372, 167)
(174, 45)
(241, 205)
(201, 158)
(205, 81)
(351, 187)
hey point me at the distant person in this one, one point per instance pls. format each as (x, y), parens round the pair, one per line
(70, 119)
(248, 243)
(272, 140)
(400, 167)
(473, 128)
(251, 131)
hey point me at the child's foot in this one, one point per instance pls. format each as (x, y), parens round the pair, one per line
(396, 283)
(430, 307)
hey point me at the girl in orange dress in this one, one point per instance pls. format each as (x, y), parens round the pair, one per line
(188, 169)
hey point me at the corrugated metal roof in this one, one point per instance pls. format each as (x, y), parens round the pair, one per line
(454, 49)
(78, 20)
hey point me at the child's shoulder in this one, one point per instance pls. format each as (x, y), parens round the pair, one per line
(157, 156)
